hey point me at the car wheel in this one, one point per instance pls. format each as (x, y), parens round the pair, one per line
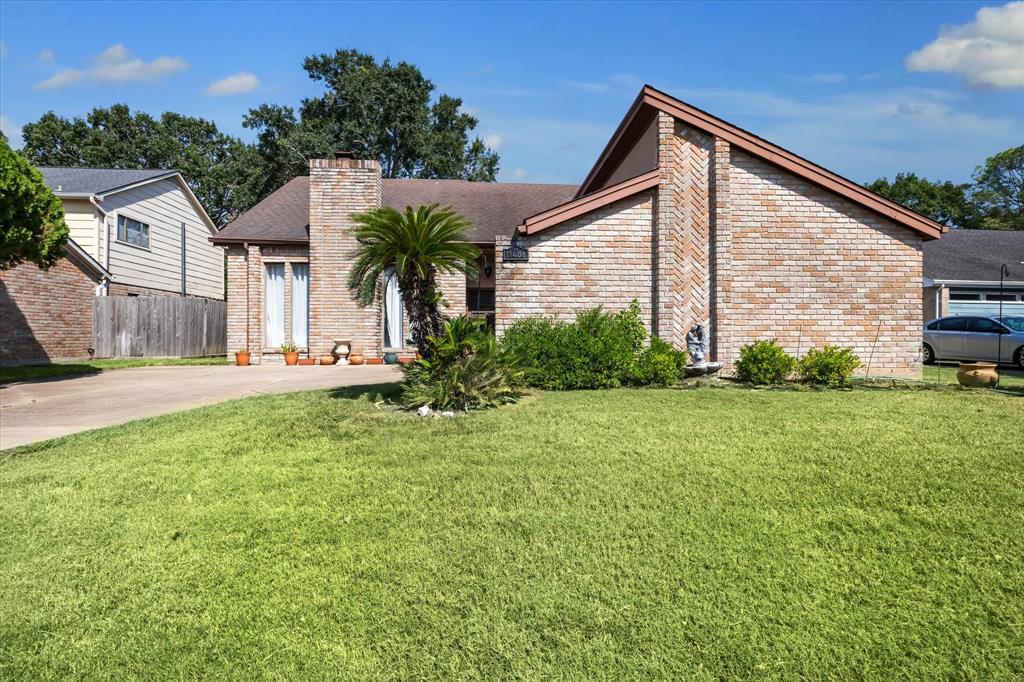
(1018, 358)
(929, 355)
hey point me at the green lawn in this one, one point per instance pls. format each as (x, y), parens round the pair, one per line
(26, 372)
(708, 534)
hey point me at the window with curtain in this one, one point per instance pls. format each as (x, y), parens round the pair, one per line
(300, 304)
(274, 305)
(392, 311)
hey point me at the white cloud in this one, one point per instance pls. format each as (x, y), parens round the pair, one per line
(988, 52)
(12, 132)
(823, 78)
(519, 173)
(865, 134)
(116, 64)
(234, 84)
(617, 83)
(46, 55)
(493, 141)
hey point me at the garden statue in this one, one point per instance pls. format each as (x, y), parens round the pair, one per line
(697, 347)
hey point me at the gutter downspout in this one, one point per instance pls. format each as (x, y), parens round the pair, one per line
(105, 284)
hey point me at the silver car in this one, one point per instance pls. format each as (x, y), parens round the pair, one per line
(965, 337)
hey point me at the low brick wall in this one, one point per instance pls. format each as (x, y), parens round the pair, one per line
(45, 314)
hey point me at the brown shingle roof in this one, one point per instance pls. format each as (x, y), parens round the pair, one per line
(493, 208)
(974, 255)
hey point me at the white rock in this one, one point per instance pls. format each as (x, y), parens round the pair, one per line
(424, 411)
(447, 413)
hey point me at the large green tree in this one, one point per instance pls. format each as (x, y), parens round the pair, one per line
(943, 202)
(32, 226)
(224, 172)
(417, 245)
(377, 110)
(999, 190)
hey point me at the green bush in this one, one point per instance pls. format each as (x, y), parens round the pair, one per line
(832, 366)
(467, 370)
(598, 350)
(659, 364)
(764, 362)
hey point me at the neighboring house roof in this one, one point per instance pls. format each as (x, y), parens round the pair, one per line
(974, 256)
(492, 208)
(82, 183)
(85, 181)
(650, 101)
(76, 253)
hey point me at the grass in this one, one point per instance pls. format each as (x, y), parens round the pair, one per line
(27, 372)
(945, 373)
(627, 534)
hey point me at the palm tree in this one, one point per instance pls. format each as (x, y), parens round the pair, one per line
(417, 244)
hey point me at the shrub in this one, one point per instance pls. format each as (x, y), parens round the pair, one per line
(832, 366)
(598, 350)
(466, 370)
(764, 362)
(659, 364)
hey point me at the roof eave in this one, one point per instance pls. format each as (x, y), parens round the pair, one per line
(590, 202)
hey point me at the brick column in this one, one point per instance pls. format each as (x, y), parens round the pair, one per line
(666, 218)
(339, 188)
(722, 346)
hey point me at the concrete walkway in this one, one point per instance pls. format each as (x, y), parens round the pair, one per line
(48, 408)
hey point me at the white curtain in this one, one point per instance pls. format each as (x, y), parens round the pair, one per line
(300, 304)
(392, 311)
(274, 295)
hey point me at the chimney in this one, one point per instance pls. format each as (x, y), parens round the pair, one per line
(338, 188)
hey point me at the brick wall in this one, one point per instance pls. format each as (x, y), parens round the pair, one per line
(810, 268)
(602, 258)
(45, 315)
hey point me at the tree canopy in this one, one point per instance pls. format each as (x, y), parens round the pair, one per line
(220, 169)
(994, 201)
(377, 111)
(32, 226)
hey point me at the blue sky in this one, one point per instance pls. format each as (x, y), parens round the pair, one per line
(865, 89)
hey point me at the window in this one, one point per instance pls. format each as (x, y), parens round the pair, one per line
(983, 325)
(933, 326)
(952, 324)
(392, 311)
(300, 304)
(1000, 297)
(274, 305)
(131, 231)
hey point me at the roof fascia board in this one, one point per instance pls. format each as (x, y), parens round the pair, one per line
(978, 282)
(257, 240)
(73, 250)
(590, 202)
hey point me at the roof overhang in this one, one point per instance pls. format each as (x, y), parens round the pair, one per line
(586, 204)
(650, 101)
(73, 251)
(972, 282)
(227, 241)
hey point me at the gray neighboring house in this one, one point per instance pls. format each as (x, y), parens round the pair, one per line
(961, 273)
(145, 227)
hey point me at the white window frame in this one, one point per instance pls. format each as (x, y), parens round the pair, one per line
(122, 220)
(302, 312)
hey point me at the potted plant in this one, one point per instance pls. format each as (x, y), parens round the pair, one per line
(355, 357)
(306, 361)
(291, 353)
(242, 358)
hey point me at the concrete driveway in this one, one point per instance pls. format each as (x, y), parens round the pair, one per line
(48, 408)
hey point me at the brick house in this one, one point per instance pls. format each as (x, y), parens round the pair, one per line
(700, 221)
(47, 314)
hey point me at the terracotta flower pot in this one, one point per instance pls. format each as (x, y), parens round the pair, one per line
(977, 374)
(374, 361)
(242, 358)
(406, 359)
(328, 359)
(291, 358)
(305, 362)
(355, 359)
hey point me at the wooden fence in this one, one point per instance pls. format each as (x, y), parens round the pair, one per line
(158, 327)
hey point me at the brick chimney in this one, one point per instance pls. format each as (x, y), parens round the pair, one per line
(338, 188)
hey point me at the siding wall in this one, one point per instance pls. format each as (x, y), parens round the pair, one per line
(81, 218)
(164, 206)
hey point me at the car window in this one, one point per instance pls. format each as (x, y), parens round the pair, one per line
(1014, 323)
(934, 325)
(952, 324)
(983, 325)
